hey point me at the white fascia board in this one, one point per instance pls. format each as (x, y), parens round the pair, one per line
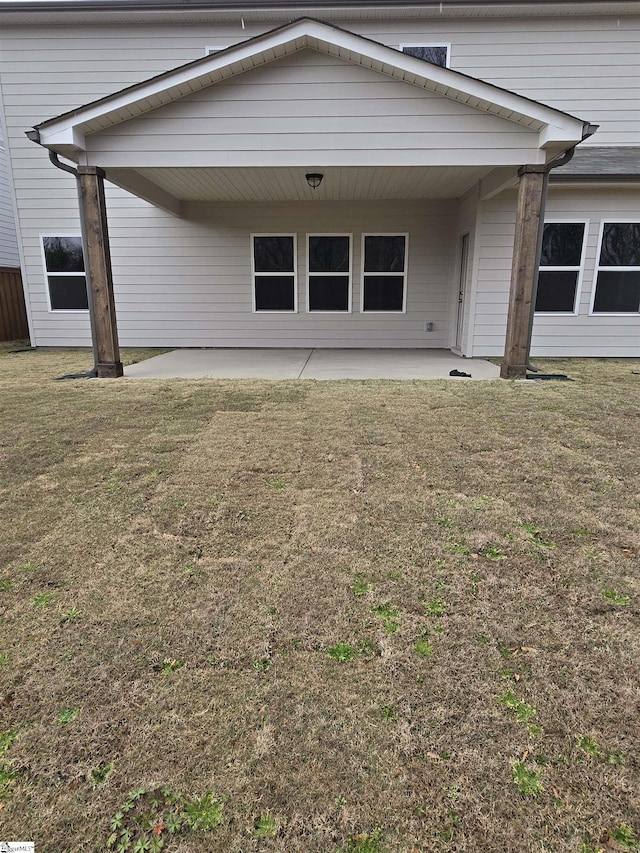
(301, 34)
(557, 134)
(68, 137)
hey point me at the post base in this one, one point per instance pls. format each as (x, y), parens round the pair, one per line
(110, 371)
(513, 371)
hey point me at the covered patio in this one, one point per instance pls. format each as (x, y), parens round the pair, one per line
(320, 364)
(375, 147)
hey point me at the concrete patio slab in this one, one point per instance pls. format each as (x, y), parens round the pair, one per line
(222, 364)
(323, 364)
(393, 364)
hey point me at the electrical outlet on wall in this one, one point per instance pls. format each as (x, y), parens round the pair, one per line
(428, 327)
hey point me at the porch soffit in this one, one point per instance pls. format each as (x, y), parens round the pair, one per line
(289, 184)
(66, 133)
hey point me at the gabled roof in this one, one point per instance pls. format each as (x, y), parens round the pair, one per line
(66, 133)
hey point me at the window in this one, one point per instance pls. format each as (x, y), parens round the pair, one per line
(617, 287)
(64, 267)
(560, 267)
(329, 272)
(384, 272)
(274, 272)
(436, 54)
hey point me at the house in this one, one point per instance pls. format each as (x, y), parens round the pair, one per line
(328, 174)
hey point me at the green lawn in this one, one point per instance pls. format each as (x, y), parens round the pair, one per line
(367, 617)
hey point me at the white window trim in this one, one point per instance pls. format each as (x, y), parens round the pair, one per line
(429, 44)
(310, 274)
(47, 274)
(273, 274)
(579, 270)
(597, 268)
(390, 274)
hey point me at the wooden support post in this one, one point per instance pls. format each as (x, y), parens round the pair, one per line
(97, 259)
(532, 192)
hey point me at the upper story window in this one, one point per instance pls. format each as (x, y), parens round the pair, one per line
(561, 262)
(617, 287)
(436, 54)
(64, 268)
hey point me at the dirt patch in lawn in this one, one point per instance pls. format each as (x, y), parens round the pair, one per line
(376, 617)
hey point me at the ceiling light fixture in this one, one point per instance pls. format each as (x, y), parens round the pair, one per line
(314, 179)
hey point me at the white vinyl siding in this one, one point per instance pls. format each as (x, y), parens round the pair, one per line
(586, 65)
(198, 291)
(311, 107)
(8, 241)
(576, 335)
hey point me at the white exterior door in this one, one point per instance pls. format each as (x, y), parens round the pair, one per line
(462, 286)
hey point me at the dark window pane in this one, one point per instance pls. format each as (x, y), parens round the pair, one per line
(434, 55)
(274, 292)
(556, 291)
(328, 254)
(562, 244)
(383, 292)
(63, 254)
(329, 293)
(617, 291)
(273, 254)
(68, 292)
(384, 254)
(620, 245)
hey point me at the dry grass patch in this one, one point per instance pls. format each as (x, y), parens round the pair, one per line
(373, 617)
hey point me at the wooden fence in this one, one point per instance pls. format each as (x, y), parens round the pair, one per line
(13, 314)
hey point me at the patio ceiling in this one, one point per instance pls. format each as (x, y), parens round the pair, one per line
(289, 184)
